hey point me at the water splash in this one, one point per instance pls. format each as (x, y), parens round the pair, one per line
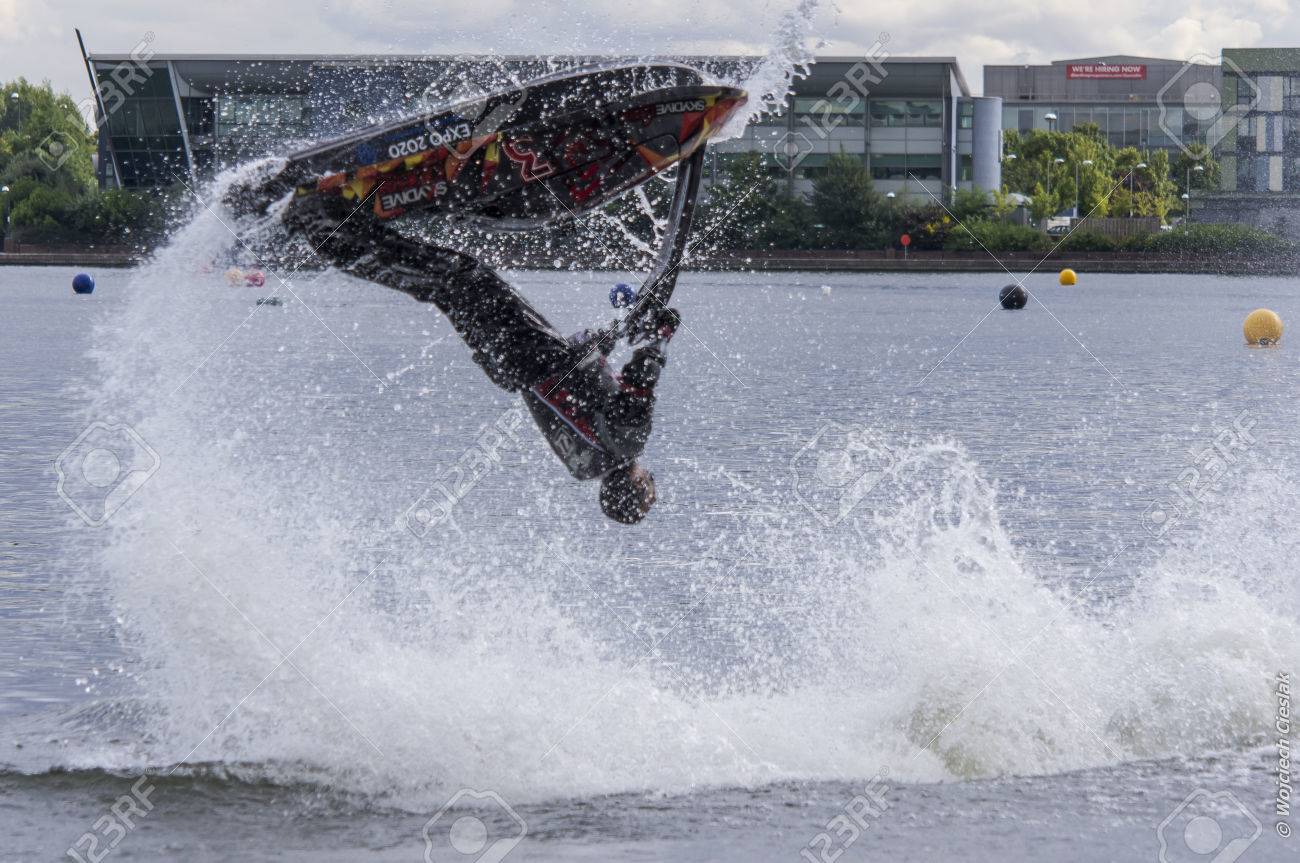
(792, 52)
(913, 636)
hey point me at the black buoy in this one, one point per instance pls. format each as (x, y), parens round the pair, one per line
(1013, 297)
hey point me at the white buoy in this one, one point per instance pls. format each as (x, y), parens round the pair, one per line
(826, 290)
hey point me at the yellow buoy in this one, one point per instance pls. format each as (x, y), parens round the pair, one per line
(1069, 277)
(1262, 327)
(235, 277)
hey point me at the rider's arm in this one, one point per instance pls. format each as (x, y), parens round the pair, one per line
(635, 402)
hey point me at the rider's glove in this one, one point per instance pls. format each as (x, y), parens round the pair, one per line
(667, 322)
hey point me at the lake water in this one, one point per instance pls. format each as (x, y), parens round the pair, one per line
(927, 579)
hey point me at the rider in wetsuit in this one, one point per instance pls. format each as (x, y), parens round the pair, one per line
(596, 421)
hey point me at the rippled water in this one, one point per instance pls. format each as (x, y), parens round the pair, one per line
(998, 634)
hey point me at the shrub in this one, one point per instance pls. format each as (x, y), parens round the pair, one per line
(1209, 240)
(927, 224)
(996, 237)
(45, 215)
(124, 217)
(1089, 241)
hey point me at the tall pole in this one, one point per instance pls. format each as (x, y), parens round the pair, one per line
(1199, 169)
(1076, 190)
(1077, 183)
(1132, 194)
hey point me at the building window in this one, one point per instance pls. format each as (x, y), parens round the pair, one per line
(1291, 173)
(965, 168)
(925, 167)
(1252, 173)
(889, 167)
(146, 136)
(966, 116)
(928, 113)
(888, 113)
(812, 166)
(827, 113)
(1246, 93)
(911, 113)
(279, 111)
(902, 166)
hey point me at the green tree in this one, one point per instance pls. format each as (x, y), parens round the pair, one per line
(42, 122)
(1003, 204)
(1046, 165)
(1041, 204)
(791, 225)
(1196, 155)
(740, 204)
(848, 207)
(971, 204)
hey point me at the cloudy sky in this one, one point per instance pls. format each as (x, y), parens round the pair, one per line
(37, 41)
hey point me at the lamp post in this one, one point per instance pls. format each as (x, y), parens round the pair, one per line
(1140, 166)
(1057, 161)
(1050, 117)
(1200, 169)
(4, 222)
(1087, 162)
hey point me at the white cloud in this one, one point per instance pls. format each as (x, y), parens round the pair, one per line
(19, 19)
(38, 40)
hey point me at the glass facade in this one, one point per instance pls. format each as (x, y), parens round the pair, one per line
(146, 135)
(248, 125)
(1123, 125)
(828, 113)
(914, 113)
(236, 109)
(966, 115)
(906, 166)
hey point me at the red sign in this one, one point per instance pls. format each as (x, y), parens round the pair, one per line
(906, 240)
(1106, 71)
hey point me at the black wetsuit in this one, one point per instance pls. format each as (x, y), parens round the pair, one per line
(594, 420)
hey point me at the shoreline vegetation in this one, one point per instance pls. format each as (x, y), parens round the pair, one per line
(812, 261)
(57, 215)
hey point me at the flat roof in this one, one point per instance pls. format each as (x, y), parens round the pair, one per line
(401, 59)
(1108, 59)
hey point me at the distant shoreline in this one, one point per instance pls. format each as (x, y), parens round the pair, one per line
(1001, 262)
(836, 262)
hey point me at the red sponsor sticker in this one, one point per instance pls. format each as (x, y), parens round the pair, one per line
(399, 193)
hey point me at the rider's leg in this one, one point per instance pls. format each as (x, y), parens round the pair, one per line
(511, 341)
